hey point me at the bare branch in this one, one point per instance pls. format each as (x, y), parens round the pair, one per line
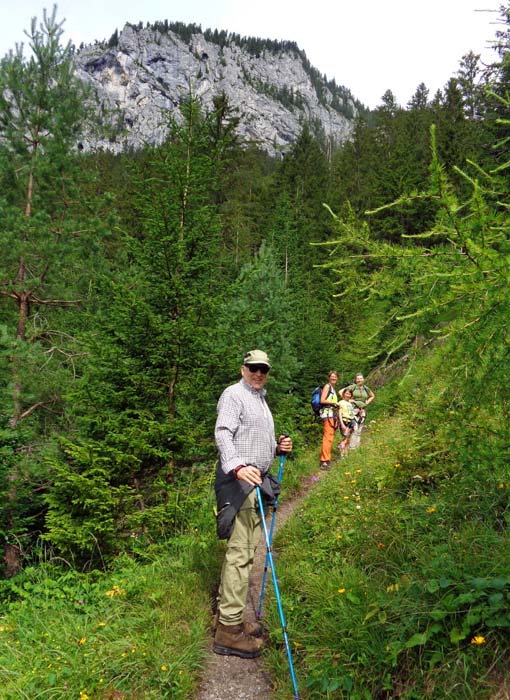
(13, 422)
(55, 302)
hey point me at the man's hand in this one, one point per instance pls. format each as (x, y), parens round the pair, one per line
(251, 475)
(285, 444)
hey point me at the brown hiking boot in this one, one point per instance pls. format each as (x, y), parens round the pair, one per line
(231, 640)
(253, 628)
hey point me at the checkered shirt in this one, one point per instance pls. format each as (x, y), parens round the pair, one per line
(244, 429)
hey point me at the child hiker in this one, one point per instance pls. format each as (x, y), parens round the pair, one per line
(346, 419)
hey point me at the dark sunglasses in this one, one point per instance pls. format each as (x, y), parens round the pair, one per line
(258, 368)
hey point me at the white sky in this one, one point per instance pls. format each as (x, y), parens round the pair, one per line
(368, 47)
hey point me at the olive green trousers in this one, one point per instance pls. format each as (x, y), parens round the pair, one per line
(238, 561)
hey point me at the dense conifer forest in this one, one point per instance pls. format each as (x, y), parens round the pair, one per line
(131, 286)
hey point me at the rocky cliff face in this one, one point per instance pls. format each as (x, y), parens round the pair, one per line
(148, 72)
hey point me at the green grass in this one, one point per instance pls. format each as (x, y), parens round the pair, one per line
(137, 632)
(395, 576)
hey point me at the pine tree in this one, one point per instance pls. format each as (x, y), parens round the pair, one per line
(471, 86)
(304, 177)
(259, 311)
(353, 170)
(498, 81)
(146, 400)
(46, 243)
(452, 127)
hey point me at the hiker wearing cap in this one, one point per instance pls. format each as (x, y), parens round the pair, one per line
(247, 446)
(362, 396)
(329, 416)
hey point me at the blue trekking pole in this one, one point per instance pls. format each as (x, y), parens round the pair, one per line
(277, 593)
(275, 506)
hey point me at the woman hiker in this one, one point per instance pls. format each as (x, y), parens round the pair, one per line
(328, 415)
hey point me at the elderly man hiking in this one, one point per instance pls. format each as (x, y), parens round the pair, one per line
(247, 446)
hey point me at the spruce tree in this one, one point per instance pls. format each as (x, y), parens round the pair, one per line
(47, 239)
(146, 399)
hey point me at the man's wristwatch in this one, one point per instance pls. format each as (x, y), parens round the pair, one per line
(237, 469)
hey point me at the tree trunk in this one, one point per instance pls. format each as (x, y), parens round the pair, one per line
(12, 559)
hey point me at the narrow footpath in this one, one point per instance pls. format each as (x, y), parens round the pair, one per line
(233, 678)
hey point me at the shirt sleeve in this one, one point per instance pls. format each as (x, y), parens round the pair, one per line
(227, 424)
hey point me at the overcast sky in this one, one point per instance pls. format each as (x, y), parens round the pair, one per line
(368, 47)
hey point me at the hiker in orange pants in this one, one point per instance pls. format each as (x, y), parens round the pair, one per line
(328, 415)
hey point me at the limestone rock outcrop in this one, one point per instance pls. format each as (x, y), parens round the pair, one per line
(144, 75)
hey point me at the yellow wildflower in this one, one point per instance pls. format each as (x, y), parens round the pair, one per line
(478, 639)
(83, 695)
(164, 668)
(82, 640)
(432, 509)
(341, 590)
(116, 590)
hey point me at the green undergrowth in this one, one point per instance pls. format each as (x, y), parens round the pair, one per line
(136, 633)
(139, 630)
(395, 572)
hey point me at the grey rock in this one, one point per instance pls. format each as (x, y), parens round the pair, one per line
(146, 76)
